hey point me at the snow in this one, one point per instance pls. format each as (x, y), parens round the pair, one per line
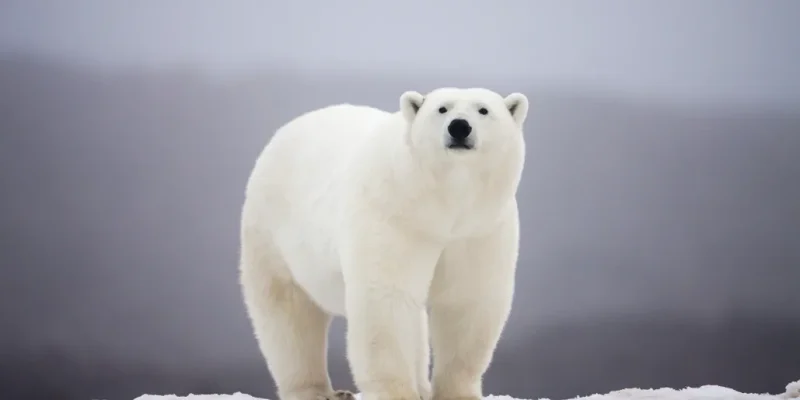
(708, 392)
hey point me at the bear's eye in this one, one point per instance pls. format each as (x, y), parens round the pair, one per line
(442, 110)
(483, 111)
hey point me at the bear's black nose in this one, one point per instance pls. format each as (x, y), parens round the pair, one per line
(459, 129)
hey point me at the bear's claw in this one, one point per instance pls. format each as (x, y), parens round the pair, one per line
(338, 395)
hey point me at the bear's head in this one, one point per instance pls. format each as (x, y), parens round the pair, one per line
(464, 122)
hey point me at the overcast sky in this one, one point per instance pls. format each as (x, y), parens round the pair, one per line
(722, 49)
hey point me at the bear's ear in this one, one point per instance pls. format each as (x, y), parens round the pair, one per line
(517, 105)
(410, 103)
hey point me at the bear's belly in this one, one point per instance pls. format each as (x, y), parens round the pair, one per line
(314, 264)
(326, 288)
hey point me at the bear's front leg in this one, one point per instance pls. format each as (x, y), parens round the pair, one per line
(471, 296)
(387, 274)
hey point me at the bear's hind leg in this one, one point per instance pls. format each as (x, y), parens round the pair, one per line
(290, 328)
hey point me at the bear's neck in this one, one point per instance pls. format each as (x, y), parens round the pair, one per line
(452, 193)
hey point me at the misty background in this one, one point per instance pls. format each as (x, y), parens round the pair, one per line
(660, 202)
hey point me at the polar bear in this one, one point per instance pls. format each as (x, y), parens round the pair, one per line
(395, 221)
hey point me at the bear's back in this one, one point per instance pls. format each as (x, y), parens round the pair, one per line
(294, 188)
(306, 153)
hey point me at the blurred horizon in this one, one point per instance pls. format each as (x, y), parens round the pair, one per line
(561, 88)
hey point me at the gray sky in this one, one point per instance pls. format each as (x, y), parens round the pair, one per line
(735, 50)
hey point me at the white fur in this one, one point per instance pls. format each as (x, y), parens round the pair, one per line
(357, 212)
